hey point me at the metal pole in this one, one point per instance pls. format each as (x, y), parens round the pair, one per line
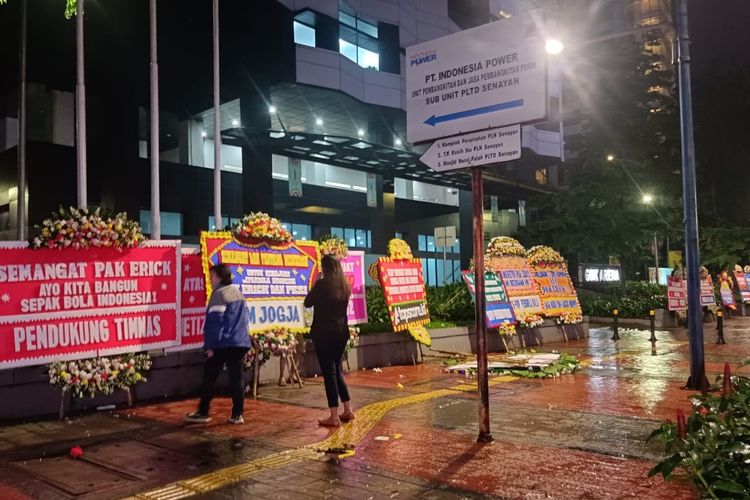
(217, 120)
(656, 258)
(477, 190)
(154, 156)
(80, 111)
(697, 378)
(21, 215)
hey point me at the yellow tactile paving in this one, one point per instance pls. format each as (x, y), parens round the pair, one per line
(349, 434)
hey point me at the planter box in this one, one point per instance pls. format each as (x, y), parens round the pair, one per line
(663, 319)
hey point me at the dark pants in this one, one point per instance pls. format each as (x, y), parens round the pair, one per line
(330, 349)
(234, 358)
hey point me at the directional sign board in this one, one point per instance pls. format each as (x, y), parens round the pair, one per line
(489, 76)
(473, 150)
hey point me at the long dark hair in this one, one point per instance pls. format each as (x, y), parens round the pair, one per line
(334, 278)
(223, 272)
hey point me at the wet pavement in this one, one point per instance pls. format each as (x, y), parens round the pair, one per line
(577, 436)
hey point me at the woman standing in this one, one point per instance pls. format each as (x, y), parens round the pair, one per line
(330, 333)
(226, 342)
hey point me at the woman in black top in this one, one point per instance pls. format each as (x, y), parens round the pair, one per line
(330, 333)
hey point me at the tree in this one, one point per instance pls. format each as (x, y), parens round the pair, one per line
(630, 115)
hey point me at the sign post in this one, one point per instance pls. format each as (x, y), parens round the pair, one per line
(480, 307)
(445, 237)
(475, 82)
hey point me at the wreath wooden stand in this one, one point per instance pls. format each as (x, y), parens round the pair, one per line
(293, 370)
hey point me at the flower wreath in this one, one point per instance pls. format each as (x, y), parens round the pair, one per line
(88, 377)
(277, 341)
(398, 249)
(541, 254)
(569, 318)
(530, 321)
(353, 339)
(79, 228)
(507, 328)
(260, 226)
(503, 246)
(333, 245)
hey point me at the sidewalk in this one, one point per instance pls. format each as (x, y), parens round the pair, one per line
(578, 436)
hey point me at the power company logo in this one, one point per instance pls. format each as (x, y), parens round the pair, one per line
(423, 57)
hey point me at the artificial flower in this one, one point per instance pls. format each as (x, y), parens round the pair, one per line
(261, 226)
(502, 246)
(333, 245)
(398, 249)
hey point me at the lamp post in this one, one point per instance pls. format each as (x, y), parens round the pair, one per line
(697, 378)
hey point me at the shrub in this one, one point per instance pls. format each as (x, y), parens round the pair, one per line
(633, 299)
(713, 445)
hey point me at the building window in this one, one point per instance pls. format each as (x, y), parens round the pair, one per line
(225, 222)
(541, 176)
(354, 237)
(304, 34)
(302, 232)
(171, 223)
(358, 41)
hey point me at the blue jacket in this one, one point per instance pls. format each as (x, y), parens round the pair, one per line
(227, 320)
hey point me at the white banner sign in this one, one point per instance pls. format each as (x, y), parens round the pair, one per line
(489, 76)
(472, 150)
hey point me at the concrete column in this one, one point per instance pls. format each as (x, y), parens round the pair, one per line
(383, 218)
(257, 162)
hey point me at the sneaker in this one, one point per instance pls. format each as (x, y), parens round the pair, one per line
(197, 418)
(238, 420)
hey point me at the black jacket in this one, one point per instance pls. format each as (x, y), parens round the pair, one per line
(330, 314)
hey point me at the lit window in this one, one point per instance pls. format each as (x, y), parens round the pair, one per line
(367, 28)
(541, 176)
(304, 34)
(349, 50)
(368, 59)
(338, 232)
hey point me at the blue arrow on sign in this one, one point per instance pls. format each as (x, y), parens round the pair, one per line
(434, 120)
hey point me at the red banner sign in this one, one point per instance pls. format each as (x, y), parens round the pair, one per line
(193, 301)
(742, 285)
(68, 304)
(676, 293)
(707, 292)
(405, 295)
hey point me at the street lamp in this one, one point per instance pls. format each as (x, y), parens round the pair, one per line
(553, 46)
(648, 199)
(610, 158)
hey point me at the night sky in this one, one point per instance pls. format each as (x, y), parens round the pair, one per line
(720, 34)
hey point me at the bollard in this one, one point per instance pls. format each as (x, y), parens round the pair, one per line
(616, 314)
(652, 318)
(720, 327)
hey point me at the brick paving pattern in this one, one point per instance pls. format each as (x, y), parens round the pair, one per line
(577, 436)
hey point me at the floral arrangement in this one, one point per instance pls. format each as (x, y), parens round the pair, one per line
(353, 339)
(333, 245)
(747, 269)
(80, 228)
(507, 328)
(541, 254)
(531, 321)
(261, 226)
(398, 249)
(569, 318)
(738, 268)
(502, 246)
(487, 264)
(88, 377)
(277, 341)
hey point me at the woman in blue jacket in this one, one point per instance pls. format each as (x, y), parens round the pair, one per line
(226, 342)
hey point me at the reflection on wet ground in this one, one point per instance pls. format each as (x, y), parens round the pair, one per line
(576, 436)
